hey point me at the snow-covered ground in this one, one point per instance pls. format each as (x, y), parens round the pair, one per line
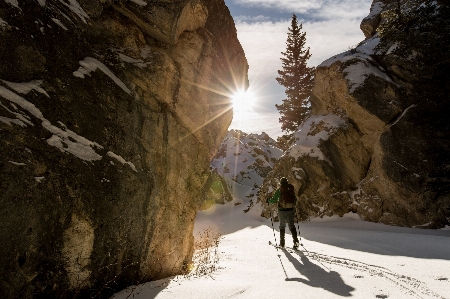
(342, 257)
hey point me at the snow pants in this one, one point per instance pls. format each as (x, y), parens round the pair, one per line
(288, 216)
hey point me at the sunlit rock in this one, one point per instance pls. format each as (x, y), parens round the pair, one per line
(110, 113)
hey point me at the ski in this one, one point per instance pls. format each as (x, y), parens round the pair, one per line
(287, 248)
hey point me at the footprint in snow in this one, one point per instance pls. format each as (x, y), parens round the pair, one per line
(381, 296)
(359, 276)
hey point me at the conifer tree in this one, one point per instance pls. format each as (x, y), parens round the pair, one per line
(297, 79)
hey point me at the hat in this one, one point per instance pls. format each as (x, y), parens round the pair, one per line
(284, 181)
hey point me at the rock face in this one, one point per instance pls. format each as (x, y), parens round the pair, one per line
(109, 118)
(378, 140)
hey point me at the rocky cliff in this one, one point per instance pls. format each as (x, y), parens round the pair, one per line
(110, 113)
(378, 140)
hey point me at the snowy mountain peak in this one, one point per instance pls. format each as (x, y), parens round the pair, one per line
(246, 158)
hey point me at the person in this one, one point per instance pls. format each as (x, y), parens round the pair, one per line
(286, 200)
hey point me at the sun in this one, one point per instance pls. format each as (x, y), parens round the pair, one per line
(243, 101)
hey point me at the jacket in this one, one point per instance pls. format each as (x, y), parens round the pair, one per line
(275, 198)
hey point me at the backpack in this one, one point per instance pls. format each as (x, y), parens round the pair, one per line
(287, 198)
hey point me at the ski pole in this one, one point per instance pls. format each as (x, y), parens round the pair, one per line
(298, 228)
(276, 245)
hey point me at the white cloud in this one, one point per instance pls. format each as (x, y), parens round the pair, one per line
(263, 42)
(283, 5)
(258, 123)
(326, 9)
(252, 19)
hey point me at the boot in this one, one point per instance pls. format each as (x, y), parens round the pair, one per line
(294, 236)
(282, 231)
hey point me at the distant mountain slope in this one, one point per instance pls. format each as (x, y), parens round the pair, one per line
(243, 159)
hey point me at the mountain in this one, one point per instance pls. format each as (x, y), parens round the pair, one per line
(378, 140)
(110, 113)
(242, 159)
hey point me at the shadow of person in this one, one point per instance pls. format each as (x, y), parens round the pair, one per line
(318, 277)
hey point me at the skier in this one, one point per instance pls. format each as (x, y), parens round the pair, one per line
(286, 199)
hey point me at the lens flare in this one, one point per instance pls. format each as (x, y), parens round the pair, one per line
(243, 101)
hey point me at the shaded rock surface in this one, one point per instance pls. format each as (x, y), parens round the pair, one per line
(378, 140)
(109, 118)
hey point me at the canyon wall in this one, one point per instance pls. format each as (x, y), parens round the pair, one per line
(378, 142)
(110, 113)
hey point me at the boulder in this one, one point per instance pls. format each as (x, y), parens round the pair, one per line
(110, 113)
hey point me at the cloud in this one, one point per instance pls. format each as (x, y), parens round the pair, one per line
(258, 123)
(252, 19)
(323, 9)
(263, 42)
(283, 5)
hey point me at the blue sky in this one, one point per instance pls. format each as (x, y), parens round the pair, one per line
(331, 26)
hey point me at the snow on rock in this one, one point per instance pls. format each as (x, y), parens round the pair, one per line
(403, 114)
(10, 121)
(356, 74)
(21, 119)
(39, 179)
(139, 2)
(59, 23)
(121, 160)
(20, 101)
(246, 158)
(361, 52)
(3, 23)
(63, 139)
(75, 7)
(137, 62)
(90, 64)
(14, 3)
(359, 65)
(375, 9)
(26, 87)
(17, 163)
(369, 24)
(298, 172)
(307, 143)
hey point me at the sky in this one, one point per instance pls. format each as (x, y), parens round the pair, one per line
(339, 257)
(331, 26)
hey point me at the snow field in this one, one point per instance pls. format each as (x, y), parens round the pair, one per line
(344, 257)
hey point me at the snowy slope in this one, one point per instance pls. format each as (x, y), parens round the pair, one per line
(341, 257)
(244, 160)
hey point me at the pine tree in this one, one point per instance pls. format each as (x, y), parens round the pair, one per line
(297, 79)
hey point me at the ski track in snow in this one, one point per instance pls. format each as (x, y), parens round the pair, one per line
(407, 284)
